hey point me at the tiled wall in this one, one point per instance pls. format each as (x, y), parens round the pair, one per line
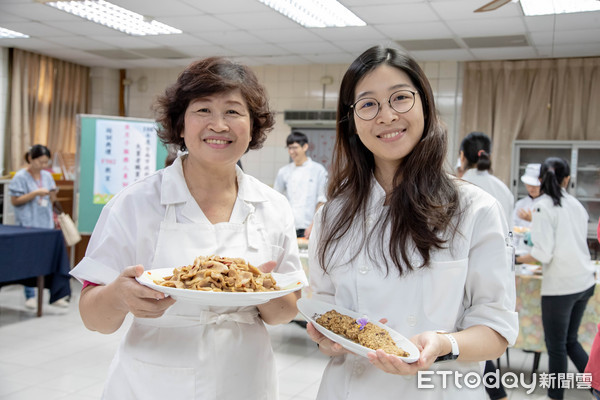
(289, 87)
(3, 102)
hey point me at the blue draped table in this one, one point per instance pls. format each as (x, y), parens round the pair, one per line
(33, 256)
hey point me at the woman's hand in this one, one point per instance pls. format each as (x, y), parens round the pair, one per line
(524, 214)
(430, 344)
(140, 300)
(41, 191)
(327, 346)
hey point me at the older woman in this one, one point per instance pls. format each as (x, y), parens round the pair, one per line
(401, 239)
(202, 204)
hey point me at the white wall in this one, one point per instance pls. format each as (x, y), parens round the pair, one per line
(289, 87)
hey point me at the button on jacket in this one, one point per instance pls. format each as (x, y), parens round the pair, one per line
(470, 283)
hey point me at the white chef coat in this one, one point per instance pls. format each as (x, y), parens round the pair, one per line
(526, 203)
(559, 236)
(493, 186)
(304, 187)
(193, 351)
(470, 283)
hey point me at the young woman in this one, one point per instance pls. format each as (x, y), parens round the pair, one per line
(33, 191)
(401, 239)
(203, 204)
(559, 229)
(475, 150)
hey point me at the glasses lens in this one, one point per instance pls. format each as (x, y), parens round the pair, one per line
(402, 100)
(366, 108)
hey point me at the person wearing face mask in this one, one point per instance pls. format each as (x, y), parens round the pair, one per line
(32, 193)
(559, 228)
(201, 205)
(303, 182)
(401, 240)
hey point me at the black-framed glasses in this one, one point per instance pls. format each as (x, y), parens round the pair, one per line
(401, 101)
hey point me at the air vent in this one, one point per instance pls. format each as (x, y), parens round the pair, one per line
(309, 118)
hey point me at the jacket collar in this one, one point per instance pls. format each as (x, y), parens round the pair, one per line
(174, 189)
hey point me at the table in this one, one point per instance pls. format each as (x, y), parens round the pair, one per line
(529, 307)
(35, 255)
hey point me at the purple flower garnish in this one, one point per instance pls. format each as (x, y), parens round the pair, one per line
(362, 322)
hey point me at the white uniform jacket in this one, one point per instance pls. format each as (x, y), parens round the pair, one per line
(493, 186)
(526, 203)
(470, 283)
(304, 187)
(192, 352)
(559, 236)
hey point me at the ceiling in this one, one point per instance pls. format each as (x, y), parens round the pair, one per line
(247, 30)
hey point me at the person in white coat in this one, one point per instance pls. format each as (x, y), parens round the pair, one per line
(303, 182)
(402, 240)
(203, 204)
(559, 230)
(475, 150)
(524, 207)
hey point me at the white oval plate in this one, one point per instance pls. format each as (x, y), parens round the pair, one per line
(312, 309)
(288, 284)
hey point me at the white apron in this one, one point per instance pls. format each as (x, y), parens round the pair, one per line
(195, 351)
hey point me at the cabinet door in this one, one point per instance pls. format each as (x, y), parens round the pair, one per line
(586, 185)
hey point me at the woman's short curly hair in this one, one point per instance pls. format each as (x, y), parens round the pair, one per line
(204, 78)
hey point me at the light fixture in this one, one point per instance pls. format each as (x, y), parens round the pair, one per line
(549, 7)
(8, 34)
(115, 17)
(315, 13)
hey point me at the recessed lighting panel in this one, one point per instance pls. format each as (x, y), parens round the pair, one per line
(549, 7)
(8, 34)
(115, 17)
(315, 13)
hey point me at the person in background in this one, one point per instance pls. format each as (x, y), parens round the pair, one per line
(475, 150)
(593, 365)
(203, 204)
(303, 182)
(524, 206)
(559, 229)
(402, 240)
(32, 193)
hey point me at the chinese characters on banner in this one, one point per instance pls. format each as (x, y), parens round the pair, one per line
(125, 152)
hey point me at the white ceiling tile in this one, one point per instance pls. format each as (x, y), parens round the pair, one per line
(395, 13)
(259, 20)
(126, 42)
(178, 40)
(430, 55)
(236, 37)
(350, 33)
(464, 8)
(157, 9)
(197, 23)
(264, 49)
(34, 29)
(488, 27)
(334, 58)
(285, 35)
(420, 30)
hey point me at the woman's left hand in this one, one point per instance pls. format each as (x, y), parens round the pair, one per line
(430, 346)
(267, 267)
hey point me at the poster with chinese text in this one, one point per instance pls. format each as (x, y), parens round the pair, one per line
(125, 152)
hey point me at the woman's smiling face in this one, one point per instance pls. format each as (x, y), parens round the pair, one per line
(391, 135)
(218, 128)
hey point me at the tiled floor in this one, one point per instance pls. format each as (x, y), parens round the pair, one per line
(55, 357)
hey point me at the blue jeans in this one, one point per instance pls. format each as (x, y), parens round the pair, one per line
(29, 292)
(561, 317)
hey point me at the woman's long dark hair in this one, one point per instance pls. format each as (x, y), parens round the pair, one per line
(424, 199)
(552, 173)
(477, 147)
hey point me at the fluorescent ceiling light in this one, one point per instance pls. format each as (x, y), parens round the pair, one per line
(548, 7)
(315, 13)
(115, 17)
(8, 34)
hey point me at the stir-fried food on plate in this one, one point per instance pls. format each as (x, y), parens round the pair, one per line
(360, 331)
(220, 274)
